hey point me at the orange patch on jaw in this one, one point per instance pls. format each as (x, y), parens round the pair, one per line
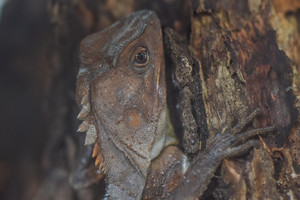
(134, 119)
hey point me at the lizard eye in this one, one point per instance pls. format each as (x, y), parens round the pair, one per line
(141, 59)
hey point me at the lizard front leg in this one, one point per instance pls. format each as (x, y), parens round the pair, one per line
(200, 171)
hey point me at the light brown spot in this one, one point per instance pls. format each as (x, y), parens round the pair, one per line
(134, 119)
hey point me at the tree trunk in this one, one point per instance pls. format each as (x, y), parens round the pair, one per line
(245, 65)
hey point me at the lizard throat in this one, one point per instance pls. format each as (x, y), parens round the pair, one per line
(159, 140)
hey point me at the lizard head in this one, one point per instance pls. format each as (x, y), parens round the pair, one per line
(121, 91)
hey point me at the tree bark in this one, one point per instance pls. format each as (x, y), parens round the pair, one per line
(244, 66)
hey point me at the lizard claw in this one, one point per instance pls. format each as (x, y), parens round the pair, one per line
(239, 127)
(248, 134)
(241, 149)
(238, 145)
(236, 141)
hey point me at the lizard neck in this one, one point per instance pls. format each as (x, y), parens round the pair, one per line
(123, 180)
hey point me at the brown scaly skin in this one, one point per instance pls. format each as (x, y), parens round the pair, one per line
(122, 94)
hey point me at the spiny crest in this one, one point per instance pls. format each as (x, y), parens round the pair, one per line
(99, 161)
(86, 108)
(91, 133)
(86, 125)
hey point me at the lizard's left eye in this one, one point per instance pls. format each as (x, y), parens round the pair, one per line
(141, 57)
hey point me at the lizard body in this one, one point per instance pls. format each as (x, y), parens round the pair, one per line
(120, 84)
(121, 90)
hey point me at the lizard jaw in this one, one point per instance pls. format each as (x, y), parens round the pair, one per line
(159, 140)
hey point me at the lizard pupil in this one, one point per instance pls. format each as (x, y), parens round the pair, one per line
(141, 57)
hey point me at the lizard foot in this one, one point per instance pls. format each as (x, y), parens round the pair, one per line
(224, 145)
(237, 141)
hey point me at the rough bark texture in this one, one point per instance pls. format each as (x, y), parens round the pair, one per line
(244, 68)
(248, 52)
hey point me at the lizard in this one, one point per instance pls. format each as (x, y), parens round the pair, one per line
(121, 91)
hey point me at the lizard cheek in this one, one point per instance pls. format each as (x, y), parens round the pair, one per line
(134, 119)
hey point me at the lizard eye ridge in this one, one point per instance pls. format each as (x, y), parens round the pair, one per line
(141, 58)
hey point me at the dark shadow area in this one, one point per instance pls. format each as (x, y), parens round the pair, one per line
(23, 36)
